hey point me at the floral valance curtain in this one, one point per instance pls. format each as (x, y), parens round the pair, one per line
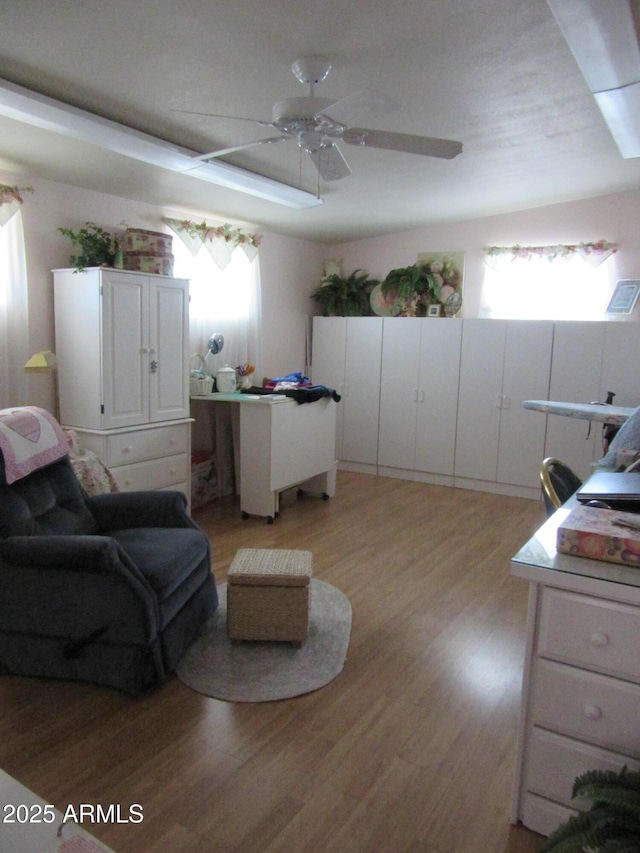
(10, 201)
(219, 240)
(593, 253)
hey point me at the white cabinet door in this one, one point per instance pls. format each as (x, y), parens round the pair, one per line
(479, 398)
(168, 349)
(576, 369)
(504, 362)
(438, 395)
(621, 364)
(419, 394)
(362, 390)
(527, 365)
(329, 345)
(399, 392)
(346, 356)
(125, 358)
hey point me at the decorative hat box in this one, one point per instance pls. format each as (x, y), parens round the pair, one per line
(147, 242)
(601, 534)
(148, 251)
(144, 262)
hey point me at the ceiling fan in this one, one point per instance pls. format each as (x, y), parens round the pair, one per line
(315, 122)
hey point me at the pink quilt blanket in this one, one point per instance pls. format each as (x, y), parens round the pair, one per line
(29, 439)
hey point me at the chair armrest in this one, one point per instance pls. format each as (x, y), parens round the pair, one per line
(122, 510)
(69, 585)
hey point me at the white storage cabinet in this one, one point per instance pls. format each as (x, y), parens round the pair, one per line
(581, 685)
(419, 398)
(589, 360)
(347, 354)
(499, 445)
(122, 344)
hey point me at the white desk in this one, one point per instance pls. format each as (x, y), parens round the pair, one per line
(281, 444)
(581, 685)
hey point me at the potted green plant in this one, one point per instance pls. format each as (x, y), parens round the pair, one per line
(612, 822)
(97, 246)
(413, 285)
(345, 296)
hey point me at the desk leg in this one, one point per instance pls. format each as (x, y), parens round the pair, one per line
(322, 484)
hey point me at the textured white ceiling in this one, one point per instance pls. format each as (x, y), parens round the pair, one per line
(495, 74)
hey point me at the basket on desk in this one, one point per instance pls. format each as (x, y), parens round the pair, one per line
(200, 380)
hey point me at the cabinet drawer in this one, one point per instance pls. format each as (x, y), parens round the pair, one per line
(543, 816)
(553, 762)
(591, 707)
(138, 445)
(153, 474)
(595, 633)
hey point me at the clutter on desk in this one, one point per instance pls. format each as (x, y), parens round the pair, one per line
(601, 534)
(300, 388)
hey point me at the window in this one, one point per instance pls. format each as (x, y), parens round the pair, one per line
(14, 315)
(537, 284)
(225, 301)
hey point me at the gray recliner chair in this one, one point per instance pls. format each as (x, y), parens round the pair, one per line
(109, 589)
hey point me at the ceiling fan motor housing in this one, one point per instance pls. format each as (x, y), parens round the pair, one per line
(299, 109)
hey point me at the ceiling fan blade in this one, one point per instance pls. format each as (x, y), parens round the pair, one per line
(329, 162)
(360, 106)
(428, 146)
(221, 152)
(220, 115)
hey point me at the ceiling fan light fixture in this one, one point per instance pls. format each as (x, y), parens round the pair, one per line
(311, 69)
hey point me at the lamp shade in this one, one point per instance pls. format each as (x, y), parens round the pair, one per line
(42, 362)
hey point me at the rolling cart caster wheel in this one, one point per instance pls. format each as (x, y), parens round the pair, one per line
(300, 493)
(269, 519)
(325, 496)
(245, 515)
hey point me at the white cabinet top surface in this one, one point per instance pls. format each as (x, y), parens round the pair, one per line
(539, 561)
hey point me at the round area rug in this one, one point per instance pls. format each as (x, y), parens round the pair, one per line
(265, 671)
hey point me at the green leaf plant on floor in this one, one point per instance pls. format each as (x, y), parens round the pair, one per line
(611, 824)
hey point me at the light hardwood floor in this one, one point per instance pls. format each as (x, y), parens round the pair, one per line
(410, 750)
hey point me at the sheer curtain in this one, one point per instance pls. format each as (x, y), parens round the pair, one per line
(14, 314)
(543, 288)
(225, 301)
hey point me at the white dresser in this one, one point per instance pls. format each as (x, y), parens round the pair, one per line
(581, 686)
(122, 344)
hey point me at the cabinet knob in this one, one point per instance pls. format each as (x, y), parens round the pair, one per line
(127, 482)
(126, 449)
(598, 638)
(592, 712)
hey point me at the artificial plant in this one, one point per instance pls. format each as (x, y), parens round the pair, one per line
(97, 246)
(345, 296)
(417, 280)
(611, 824)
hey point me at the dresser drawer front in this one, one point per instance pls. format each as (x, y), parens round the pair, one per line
(595, 633)
(553, 762)
(591, 707)
(127, 447)
(153, 474)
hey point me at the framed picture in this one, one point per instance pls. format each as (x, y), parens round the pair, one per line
(624, 297)
(433, 311)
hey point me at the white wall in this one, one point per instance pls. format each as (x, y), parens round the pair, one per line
(290, 269)
(614, 218)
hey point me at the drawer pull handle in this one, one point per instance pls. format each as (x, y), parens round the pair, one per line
(592, 712)
(599, 639)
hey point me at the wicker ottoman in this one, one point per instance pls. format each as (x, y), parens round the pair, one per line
(268, 595)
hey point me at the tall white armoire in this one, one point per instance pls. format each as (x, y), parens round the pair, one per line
(122, 344)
